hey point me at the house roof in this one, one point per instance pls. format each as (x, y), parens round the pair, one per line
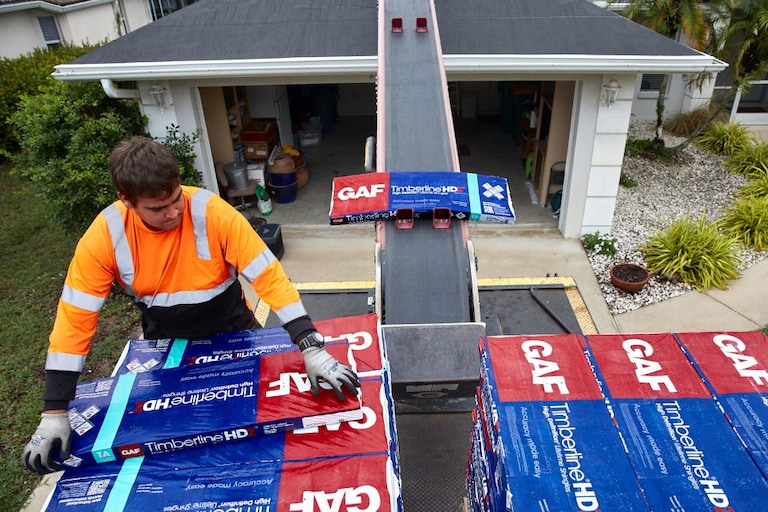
(246, 38)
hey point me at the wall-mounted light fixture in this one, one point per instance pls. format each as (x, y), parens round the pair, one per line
(610, 92)
(160, 95)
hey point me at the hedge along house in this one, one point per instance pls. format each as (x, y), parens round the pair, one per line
(576, 64)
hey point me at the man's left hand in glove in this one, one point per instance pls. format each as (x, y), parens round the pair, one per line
(319, 364)
(51, 439)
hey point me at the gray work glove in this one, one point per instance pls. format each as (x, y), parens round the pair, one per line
(53, 435)
(319, 364)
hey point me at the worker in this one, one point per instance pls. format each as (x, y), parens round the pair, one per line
(178, 250)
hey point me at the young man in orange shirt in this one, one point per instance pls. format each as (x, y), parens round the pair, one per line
(178, 251)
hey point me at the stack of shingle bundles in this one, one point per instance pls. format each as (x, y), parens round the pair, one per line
(324, 464)
(685, 454)
(543, 437)
(734, 366)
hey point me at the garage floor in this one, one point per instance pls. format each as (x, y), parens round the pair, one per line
(485, 149)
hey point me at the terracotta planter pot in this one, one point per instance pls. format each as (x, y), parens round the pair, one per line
(629, 277)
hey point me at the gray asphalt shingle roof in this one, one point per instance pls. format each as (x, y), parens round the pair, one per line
(220, 30)
(545, 27)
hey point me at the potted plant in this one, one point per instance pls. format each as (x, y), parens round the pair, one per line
(629, 277)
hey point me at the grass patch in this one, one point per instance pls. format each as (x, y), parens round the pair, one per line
(34, 256)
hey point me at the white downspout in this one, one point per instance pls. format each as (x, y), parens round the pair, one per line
(120, 94)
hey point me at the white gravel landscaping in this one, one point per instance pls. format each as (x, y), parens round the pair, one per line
(698, 183)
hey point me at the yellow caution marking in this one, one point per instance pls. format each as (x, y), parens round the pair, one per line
(335, 285)
(526, 281)
(580, 311)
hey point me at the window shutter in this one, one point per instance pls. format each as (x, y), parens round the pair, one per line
(49, 29)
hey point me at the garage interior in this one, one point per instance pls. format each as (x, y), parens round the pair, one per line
(517, 130)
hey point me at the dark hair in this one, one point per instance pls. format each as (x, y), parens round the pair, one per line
(143, 168)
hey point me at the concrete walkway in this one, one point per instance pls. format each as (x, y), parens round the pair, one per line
(346, 253)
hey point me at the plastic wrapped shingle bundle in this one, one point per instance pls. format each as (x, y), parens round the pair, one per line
(352, 461)
(543, 437)
(680, 444)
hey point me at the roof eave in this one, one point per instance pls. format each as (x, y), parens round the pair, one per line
(700, 63)
(256, 68)
(365, 65)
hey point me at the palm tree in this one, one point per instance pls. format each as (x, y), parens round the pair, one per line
(739, 37)
(746, 36)
(676, 19)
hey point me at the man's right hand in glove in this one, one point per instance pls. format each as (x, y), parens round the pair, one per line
(52, 437)
(319, 364)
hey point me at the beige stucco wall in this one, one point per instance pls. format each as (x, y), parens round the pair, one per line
(19, 33)
(87, 23)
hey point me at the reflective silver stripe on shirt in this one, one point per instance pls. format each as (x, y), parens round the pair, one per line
(200, 222)
(64, 362)
(258, 265)
(123, 255)
(82, 300)
(186, 297)
(291, 312)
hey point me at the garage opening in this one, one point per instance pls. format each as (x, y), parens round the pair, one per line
(518, 130)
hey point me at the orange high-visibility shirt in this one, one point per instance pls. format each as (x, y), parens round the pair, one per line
(177, 269)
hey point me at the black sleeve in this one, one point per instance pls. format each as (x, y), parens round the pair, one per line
(59, 389)
(299, 328)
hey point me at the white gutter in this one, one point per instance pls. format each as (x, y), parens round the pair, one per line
(217, 68)
(321, 66)
(120, 94)
(583, 63)
(49, 7)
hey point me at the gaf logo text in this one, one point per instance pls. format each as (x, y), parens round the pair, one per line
(544, 372)
(347, 193)
(349, 499)
(747, 366)
(647, 370)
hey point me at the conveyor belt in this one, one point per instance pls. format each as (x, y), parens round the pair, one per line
(425, 272)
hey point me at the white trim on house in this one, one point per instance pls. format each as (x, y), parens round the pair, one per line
(701, 63)
(49, 7)
(218, 69)
(314, 66)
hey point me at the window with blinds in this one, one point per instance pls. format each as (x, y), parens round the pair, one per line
(50, 31)
(651, 82)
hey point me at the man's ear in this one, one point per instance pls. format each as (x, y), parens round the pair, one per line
(124, 200)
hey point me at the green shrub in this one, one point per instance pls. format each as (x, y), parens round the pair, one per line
(747, 220)
(725, 138)
(23, 76)
(68, 131)
(694, 252)
(625, 180)
(750, 161)
(182, 146)
(757, 187)
(646, 148)
(602, 244)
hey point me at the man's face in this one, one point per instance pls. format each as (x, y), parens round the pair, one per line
(159, 214)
